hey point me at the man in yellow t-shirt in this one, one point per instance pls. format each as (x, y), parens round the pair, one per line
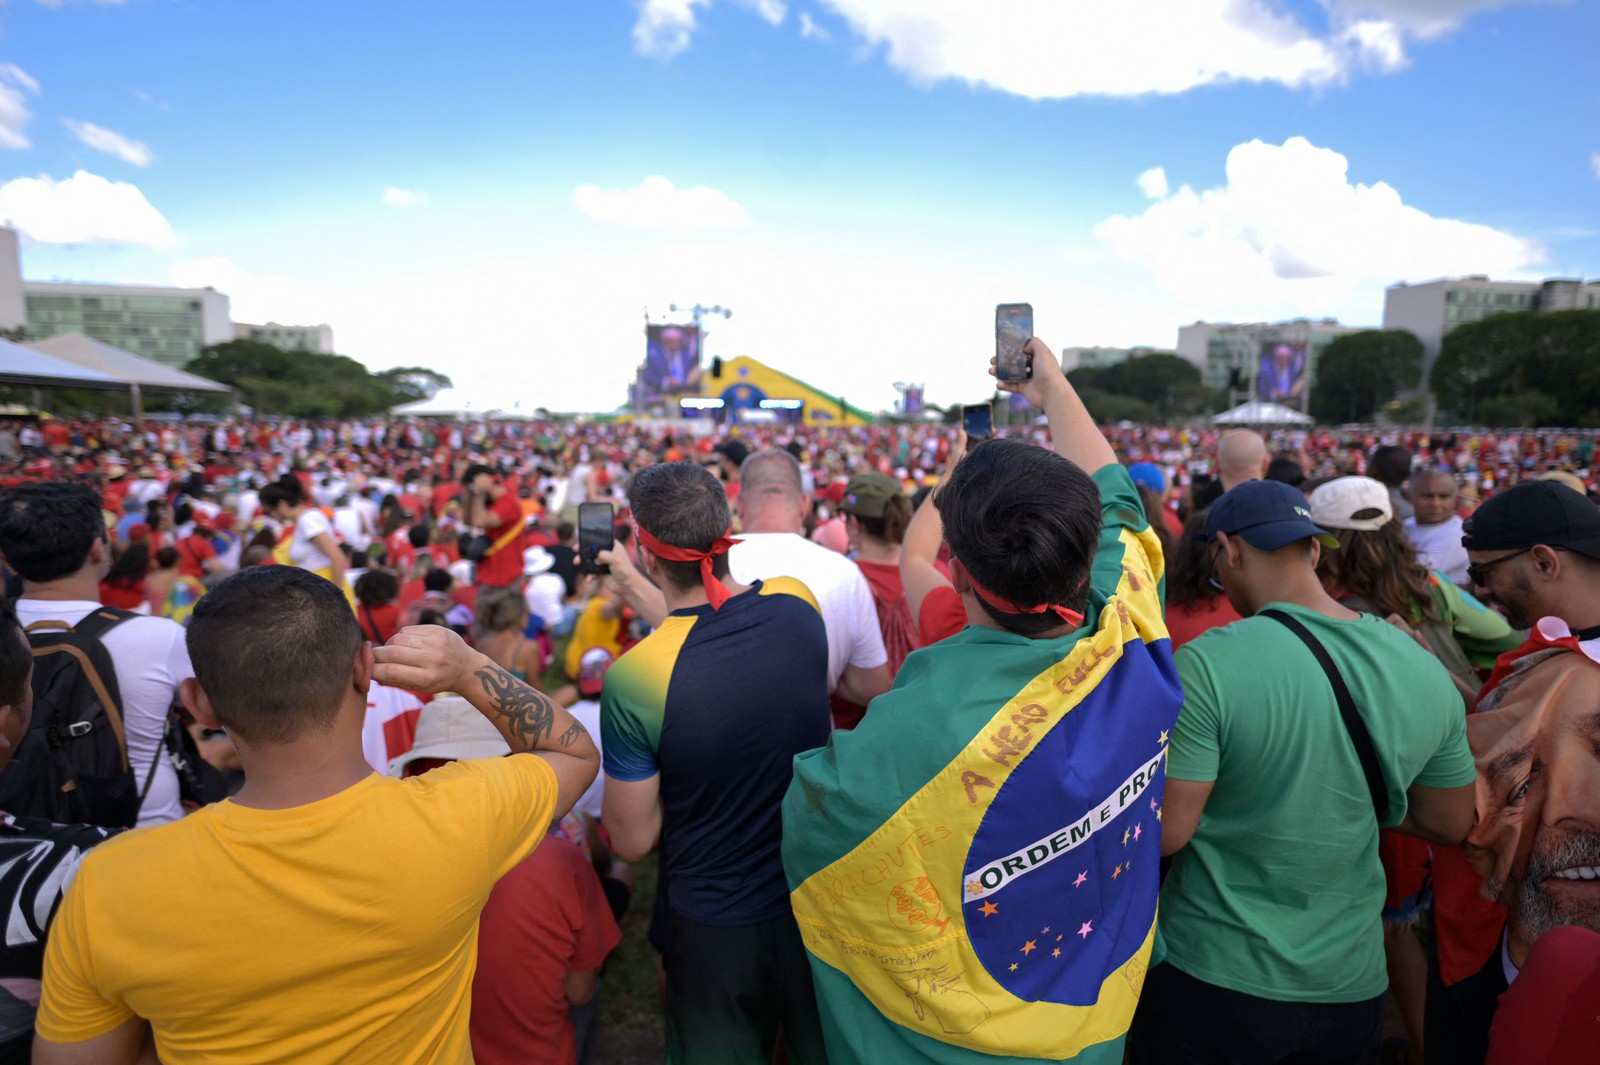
(325, 914)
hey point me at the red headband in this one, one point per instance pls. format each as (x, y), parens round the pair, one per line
(1006, 606)
(716, 591)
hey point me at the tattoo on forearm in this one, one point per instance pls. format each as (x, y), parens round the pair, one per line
(530, 714)
(570, 736)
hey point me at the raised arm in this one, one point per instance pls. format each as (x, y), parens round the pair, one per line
(1073, 432)
(919, 548)
(432, 658)
(634, 587)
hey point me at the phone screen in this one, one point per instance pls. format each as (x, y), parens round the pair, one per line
(596, 533)
(978, 421)
(1013, 328)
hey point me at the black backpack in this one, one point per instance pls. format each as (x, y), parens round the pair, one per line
(72, 766)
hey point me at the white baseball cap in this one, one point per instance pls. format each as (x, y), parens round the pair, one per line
(1358, 503)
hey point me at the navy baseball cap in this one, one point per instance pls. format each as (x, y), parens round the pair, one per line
(1267, 515)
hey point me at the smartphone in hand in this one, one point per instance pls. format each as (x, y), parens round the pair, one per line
(1013, 328)
(978, 420)
(597, 532)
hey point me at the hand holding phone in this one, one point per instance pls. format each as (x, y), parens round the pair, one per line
(596, 533)
(1013, 328)
(978, 421)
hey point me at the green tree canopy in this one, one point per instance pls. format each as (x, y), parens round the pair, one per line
(1165, 386)
(1359, 372)
(306, 384)
(1522, 369)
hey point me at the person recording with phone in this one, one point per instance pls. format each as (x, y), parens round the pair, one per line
(496, 511)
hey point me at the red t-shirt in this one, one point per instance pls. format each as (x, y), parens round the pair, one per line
(379, 622)
(193, 552)
(122, 596)
(1186, 622)
(943, 614)
(544, 919)
(502, 567)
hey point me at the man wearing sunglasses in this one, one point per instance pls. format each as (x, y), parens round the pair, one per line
(1534, 552)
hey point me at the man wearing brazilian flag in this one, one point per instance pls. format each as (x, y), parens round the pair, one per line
(974, 867)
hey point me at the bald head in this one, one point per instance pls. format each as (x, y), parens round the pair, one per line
(772, 496)
(1241, 457)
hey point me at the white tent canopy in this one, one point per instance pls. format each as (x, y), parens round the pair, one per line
(125, 366)
(454, 403)
(21, 365)
(1260, 412)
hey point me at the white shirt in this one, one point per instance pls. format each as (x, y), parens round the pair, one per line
(841, 591)
(545, 594)
(587, 711)
(151, 659)
(1439, 547)
(304, 553)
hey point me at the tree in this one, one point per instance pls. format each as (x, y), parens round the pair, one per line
(1506, 356)
(1164, 384)
(1359, 372)
(307, 384)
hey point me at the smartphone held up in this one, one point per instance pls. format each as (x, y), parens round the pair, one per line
(596, 533)
(978, 421)
(1013, 328)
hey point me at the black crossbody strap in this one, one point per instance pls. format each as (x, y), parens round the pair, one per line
(1353, 724)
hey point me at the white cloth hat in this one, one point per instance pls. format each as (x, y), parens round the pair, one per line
(1337, 504)
(450, 727)
(535, 560)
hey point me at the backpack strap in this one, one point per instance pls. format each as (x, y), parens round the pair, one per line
(1357, 729)
(102, 620)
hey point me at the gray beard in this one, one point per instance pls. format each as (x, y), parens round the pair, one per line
(1533, 908)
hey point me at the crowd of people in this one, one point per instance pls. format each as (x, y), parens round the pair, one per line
(332, 742)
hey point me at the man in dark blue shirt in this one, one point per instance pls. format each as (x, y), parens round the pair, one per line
(701, 722)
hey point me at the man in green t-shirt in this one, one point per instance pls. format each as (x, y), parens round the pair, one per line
(1270, 912)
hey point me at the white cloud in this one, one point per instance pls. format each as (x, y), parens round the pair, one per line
(772, 11)
(83, 209)
(1153, 182)
(1424, 18)
(1057, 48)
(398, 197)
(1289, 233)
(664, 26)
(130, 151)
(657, 204)
(252, 298)
(16, 85)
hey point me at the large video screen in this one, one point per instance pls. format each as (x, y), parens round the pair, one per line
(671, 363)
(1281, 377)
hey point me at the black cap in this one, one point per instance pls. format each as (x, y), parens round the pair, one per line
(734, 451)
(1534, 512)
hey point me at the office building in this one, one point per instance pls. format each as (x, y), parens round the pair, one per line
(166, 325)
(317, 338)
(1099, 358)
(1230, 355)
(1434, 308)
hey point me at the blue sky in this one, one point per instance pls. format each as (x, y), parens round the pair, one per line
(500, 190)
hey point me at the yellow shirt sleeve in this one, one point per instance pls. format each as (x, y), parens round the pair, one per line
(512, 798)
(71, 1008)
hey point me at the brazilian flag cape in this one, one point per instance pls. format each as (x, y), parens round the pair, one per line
(974, 868)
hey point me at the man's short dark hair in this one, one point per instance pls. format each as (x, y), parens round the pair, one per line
(16, 658)
(476, 470)
(272, 647)
(1025, 523)
(1390, 464)
(1285, 469)
(437, 580)
(682, 504)
(47, 528)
